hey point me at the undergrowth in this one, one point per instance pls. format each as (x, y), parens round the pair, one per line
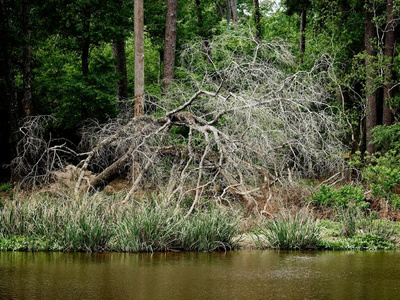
(98, 223)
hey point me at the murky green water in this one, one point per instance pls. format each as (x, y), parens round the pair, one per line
(232, 275)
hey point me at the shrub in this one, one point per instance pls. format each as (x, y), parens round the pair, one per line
(343, 197)
(383, 175)
(298, 231)
(5, 187)
(387, 138)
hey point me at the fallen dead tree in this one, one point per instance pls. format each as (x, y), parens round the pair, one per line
(233, 124)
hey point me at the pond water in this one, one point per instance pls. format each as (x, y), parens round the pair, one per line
(231, 275)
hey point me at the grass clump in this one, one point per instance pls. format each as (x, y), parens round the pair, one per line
(291, 232)
(214, 230)
(96, 224)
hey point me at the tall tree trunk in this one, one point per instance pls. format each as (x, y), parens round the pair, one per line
(120, 68)
(170, 42)
(139, 57)
(27, 58)
(10, 89)
(257, 17)
(370, 90)
(303, 24)
(228, 11)
(387, 117)
(235, 17)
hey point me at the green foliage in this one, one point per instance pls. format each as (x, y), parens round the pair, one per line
(298, 231)
(5, 187)
(368, 241)
(387, 137)
(365, 241)
(342, 197)
(383, 175)
(356, 231)
(62, 90)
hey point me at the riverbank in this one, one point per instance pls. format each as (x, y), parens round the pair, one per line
(98, 223)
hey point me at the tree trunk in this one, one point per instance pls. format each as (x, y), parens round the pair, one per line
(387, 117)
(228, 11)
(235, 17)
(370, 90)
(10, 89)
(257, 19)
(139, 57)
(120, 68)
(170, 42)
(27, 58)
(303, 24)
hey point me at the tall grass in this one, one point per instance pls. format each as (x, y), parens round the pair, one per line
(96, 224)
(290, 232)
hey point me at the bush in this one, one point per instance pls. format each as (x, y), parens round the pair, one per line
(387, 138)
(298, 231)
(343, 197)
(383, 175)
(5, 187)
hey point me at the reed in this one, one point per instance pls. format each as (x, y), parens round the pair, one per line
(95, 224)
(296, 231)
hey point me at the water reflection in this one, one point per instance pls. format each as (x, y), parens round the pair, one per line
(231, 275)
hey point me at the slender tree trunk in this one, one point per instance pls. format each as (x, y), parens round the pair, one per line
(120, 68)
(303, 24)
(387, 117)
(27, 58)
(228, 11)
(257, 18)
(139, 57)
(370, 90)
(10, 89)
(235, 17)
(170, 42)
